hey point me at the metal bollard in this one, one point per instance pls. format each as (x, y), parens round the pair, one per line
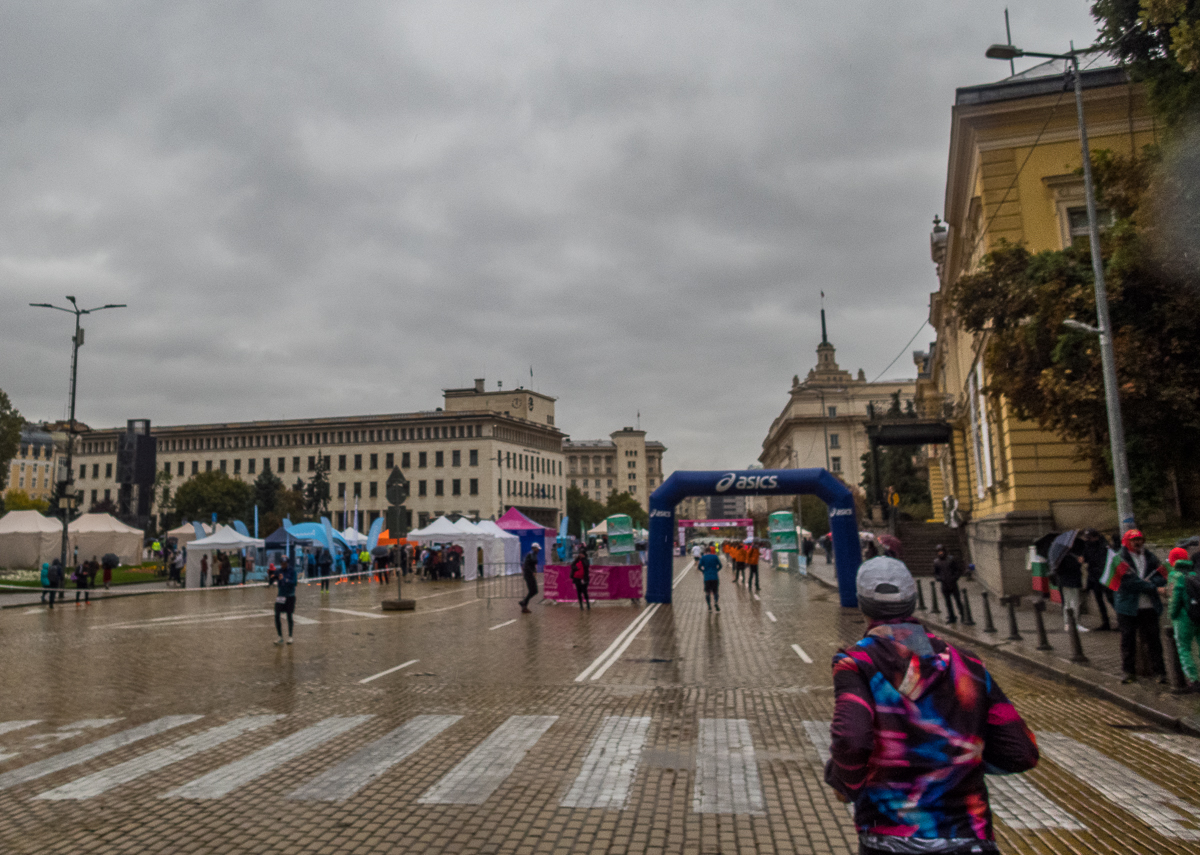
(933, 599)
(968, 619)
(1077, 654)
(1171, 651)
(1039, 607)
(1014, 632)
(988, 624)
(920, 598)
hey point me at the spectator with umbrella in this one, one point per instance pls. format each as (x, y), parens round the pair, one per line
(1095, 555)
(1066, 562)
(109, 563)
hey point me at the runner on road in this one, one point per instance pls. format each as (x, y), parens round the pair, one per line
(710, 565)
(916, 723)
(529, 571)
(285, 600)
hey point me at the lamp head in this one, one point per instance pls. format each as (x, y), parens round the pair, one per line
(1004, 52)
(71, 300)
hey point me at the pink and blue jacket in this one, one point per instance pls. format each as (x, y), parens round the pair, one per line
(916, 724)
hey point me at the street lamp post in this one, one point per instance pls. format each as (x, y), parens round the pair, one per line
(1103, 328)
(66, 494)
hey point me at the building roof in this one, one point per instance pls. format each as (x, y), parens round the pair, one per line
(1045, 78)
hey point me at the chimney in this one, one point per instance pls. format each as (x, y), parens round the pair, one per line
(478, 385)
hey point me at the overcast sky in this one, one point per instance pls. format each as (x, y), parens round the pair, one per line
(340, 208)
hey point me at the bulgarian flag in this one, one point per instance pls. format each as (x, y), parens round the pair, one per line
(1114, 571)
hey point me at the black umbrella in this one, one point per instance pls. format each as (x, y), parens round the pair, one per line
(1042, 545)
(380, 551)
(1060, 547)
(110, 560)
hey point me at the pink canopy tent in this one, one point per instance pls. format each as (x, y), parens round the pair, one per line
(527, 530)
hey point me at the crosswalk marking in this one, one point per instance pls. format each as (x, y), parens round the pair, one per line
(804, 657)
(104, 780)
(1017, 803)
(1161, 810)
(481, 772)
(229, 777)
(87, 752)
(359, 769)
(611, 763)
(726, 769)
(10, 726)
(819, 736)
(1186, 747)
(356, 614)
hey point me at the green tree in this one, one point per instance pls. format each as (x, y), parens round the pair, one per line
(17, 499)
(583, 512)
(316, 491)
(623, 503)
(202, 495)
(267, 488)
(10, 436)
(164, 499)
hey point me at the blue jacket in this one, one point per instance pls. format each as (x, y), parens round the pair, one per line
(709, 565)
(287, 582)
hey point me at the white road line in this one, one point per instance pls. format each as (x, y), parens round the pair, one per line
(1183, 746)
(420, 612)
(501, 625)
(818, 734)
(611, 764)
(365, 765)
(616, 643)
(1019, 804)
(481, 772)
(89, 724)
(357, 614)
(164, 623)
(1160, 809)
(650, 612)
(229, 777)
(104, 780)
(389, 671)
(87, 752)
(682, 573)
(726, 769)
(10, 726)
(803, 656)
(771, 617)
(9, 756)
(756, 596)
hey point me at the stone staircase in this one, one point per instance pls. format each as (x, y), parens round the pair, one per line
(920, 540)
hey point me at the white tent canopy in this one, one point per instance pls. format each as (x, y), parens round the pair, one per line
(185, 533)
(600, 529)
(28, 539)
(98, 534)
(354, 537)
(467, 536)
(502, 554)
(226, 537)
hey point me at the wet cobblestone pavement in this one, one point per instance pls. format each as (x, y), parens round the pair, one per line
(171, 723)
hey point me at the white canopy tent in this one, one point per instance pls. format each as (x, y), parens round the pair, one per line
(354, 537)
(502, 554)
(463, 533)
(601, 529)
(225, 538)
(28, 539)
(185, 533)
(98, 534)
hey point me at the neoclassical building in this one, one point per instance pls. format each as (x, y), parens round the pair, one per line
(478, 455)
(626, 462)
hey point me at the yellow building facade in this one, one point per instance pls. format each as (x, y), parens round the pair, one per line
(1012, 175)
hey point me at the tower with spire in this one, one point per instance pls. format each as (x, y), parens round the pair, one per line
(827, 371)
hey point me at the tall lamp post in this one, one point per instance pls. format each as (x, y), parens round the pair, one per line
(66, 493)
(1103, 328)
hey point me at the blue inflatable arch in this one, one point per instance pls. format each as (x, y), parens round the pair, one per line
(843, 522)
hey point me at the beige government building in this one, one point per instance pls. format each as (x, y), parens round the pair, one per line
(625, 462)
(823, 424)
(478, 455)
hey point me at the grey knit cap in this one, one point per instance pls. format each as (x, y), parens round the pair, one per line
(885, 588)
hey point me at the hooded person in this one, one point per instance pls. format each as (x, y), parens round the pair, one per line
(916, 724)
(1138, 605)
(1181, 616)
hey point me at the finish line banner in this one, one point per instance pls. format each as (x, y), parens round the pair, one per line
(605, 582)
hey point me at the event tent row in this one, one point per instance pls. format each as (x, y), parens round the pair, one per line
(29, 539)
(498, 550)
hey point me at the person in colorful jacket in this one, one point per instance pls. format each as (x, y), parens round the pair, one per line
(916, 724)
(1138, 605)
(1185, 629)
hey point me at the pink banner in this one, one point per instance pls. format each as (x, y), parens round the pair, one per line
(606, 582)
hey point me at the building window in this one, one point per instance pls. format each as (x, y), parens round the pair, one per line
(473, 457)
(835, 464)
(357, 462)
(422, 520)
(456, 487)
(406, 460)
(93, 497)
(208, 466)
(421, 491)
(195, 467)
(609, 482)
(474, 486)
(266, 464)
(374, 461)
(389, 461)
(108, 495)
(456, 458)
(341, 463)
(249, 466)
(237, 466)
(96, 470)
(422, 459)
(833, 441)
(573, 484)
(282, 465)
(832, 412)
(439, 487)
(295, 464)
(1078, 229)
(83, 471)
(312, 462)
(107, 470)
(358, 489)
(222, 465)
(439, 458)
(341, 489)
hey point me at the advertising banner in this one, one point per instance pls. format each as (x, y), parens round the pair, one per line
(605, 582)
(620, 534)
(781, 527)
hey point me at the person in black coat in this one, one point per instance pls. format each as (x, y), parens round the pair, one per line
(529, 571)
(948, 570)
(1070, 584)
(581, 575)
(1095, 555)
